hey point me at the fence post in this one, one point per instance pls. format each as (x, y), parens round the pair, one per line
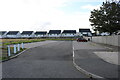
(9, 50)
(22, 45)
(18, 47)
(15, 49)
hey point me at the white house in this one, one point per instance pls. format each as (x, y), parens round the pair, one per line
(54, 33)
(3, 34)
(85, 32)
(27, 34)
(39, 34)
(13, 34)
(68, 33)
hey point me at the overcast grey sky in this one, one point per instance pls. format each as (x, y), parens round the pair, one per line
(44, 15)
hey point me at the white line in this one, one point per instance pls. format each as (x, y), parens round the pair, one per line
(82, 70)
(73, 52)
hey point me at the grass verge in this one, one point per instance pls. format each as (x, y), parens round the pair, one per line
(18, 41)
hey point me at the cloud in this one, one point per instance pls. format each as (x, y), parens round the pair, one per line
(90, 7)
(27, 13)
(88, 0)
(40, 15)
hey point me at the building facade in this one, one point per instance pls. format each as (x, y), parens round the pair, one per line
(68, 33)
(85, 32)
(54, 33)
(13, 34)
(27, 34)
(40, 34)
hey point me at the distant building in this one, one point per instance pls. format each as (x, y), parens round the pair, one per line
(68, 33)
(27, 34)
(39, 34)
(85, 32)
(3, 34)
(13, 34)
(54, 33)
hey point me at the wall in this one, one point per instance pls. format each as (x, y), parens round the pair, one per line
(111, 40)
(39, 35)
(54, 35)
(68, 35)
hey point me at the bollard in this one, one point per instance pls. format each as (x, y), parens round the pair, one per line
(9, 50)
(22, 45)
(18, 47)
(15, 49)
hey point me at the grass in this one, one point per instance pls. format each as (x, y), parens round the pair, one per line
(18, 41)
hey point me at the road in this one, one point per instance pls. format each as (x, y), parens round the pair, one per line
(53, 60)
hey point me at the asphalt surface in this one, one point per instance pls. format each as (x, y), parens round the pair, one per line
(53, 60)
(87, 60)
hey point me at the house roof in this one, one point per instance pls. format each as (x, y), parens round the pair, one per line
(40, 32)
(54, 32)
(12, 32)
(84, 30)
(2, 32)
(26, 32)
(69, 31)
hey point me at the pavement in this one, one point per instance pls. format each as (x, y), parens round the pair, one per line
(110, 57)
(86, 59)
(51, 60)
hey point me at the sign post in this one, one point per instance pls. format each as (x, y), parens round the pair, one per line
(9, 50)
(22, 45)
(15, 49)
(18, 47)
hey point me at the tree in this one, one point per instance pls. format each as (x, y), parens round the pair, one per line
(107, 18)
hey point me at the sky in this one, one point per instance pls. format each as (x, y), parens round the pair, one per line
(45, 15)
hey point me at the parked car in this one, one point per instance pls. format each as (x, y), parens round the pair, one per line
(81, 40)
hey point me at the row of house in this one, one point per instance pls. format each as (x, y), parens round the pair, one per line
(40, 34)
